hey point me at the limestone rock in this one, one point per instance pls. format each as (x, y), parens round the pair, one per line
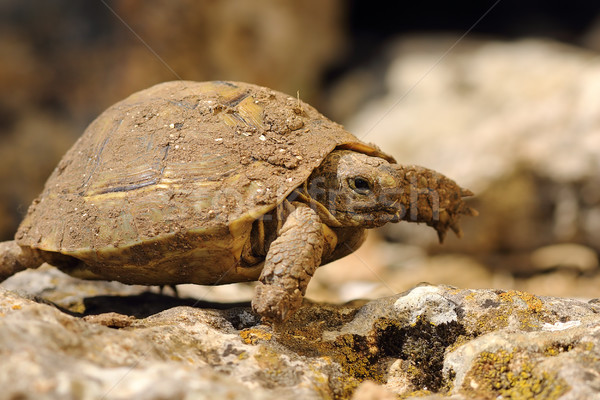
(112, 341)
(565, 255)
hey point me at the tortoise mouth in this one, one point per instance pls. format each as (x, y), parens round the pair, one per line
(381, 215)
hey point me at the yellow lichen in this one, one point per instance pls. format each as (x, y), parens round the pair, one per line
(270, 361)
(556, 349)
(511, 375)
(416, 393)
(355, 358)
(533, 302)
(471, 296)
(252, 336)
(513, 306)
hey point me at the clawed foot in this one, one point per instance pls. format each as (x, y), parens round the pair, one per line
(454, 208)
(274, 303)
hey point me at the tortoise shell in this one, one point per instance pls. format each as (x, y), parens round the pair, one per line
(163, 187)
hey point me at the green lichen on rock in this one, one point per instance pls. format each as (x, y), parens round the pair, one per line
(511, 375)
(356, 359)
(520, 309)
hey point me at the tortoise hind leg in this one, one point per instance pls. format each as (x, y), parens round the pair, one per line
(14, 258)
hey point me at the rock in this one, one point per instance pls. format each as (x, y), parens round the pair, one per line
(566, 255)
(425, 302)
(430, 342)
(561, 282)
(551, 364)
(371, 391)
(182, 352)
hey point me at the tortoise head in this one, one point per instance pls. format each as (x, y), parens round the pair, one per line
(356, 189)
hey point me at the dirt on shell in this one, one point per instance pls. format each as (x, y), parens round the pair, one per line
(176, 157)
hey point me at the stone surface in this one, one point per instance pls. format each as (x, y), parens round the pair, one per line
(565, 255)
(61, 338)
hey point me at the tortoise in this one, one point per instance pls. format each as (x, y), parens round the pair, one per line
(221, 182)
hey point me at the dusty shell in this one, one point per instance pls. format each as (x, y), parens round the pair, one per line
(162, 187)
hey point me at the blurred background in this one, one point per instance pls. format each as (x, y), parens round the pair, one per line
(503, 97)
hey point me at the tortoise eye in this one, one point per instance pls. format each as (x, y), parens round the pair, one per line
(360, 185)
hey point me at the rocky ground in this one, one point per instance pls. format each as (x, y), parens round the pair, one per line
(61, 338)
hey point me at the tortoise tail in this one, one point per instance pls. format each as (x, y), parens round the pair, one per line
(14, 258)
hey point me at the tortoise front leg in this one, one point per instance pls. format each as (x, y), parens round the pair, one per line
(290, 263)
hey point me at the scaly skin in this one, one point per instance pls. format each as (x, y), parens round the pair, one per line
(290, 263)
(430, 197)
